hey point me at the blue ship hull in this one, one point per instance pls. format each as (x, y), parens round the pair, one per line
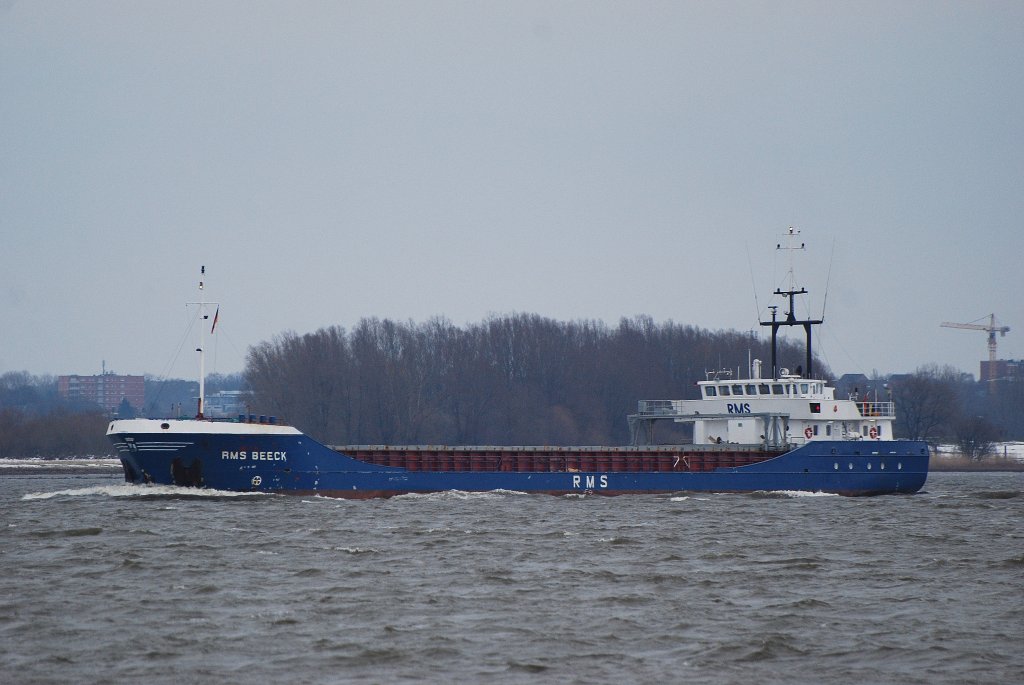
(293, 463)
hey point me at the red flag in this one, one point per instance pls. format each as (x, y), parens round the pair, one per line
(215, 315)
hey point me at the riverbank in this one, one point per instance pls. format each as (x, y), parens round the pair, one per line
(943, 462)
(1005, 456)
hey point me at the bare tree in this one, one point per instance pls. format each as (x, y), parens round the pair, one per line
(975, 437)
(926, 404)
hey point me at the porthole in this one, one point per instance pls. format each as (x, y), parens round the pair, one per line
(851, 466)
(165, 426)
(882, 466)
(899, 466)
(869, 467)
(836, 466)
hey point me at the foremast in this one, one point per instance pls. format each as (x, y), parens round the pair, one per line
(203, 317)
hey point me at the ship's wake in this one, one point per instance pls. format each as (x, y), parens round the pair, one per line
(790, 494)
(142, 491)
(459, 495)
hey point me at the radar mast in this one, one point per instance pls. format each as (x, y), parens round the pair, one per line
(791, 246)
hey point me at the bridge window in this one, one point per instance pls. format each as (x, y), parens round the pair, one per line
(737, 389)
(763, 389)
(724, 390)
(777, 389)
(709, 391)
(751, 389)
(804, 387)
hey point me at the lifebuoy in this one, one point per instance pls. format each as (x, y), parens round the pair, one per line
(808, 432)
(873, 432)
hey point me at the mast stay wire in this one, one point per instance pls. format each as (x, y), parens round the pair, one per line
(174, 357)
(828, 277)
(181, 343)
(753, 283)
(827, 334)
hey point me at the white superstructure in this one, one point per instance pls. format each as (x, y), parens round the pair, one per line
(797, 409)
(774, 412)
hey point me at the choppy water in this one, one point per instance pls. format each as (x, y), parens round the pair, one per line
(106, 582)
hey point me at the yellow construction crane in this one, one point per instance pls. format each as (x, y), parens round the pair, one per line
(992, 329)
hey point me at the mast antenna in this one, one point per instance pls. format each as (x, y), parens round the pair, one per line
(791, 237)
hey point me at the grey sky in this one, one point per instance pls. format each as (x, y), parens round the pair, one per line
(330, 161)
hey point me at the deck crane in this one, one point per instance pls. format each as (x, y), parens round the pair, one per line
(992, 329)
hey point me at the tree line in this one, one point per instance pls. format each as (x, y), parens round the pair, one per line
(513, 379)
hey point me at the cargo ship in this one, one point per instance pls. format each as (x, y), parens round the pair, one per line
(774, 430)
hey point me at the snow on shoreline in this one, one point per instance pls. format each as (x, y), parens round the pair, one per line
(1008, 450)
